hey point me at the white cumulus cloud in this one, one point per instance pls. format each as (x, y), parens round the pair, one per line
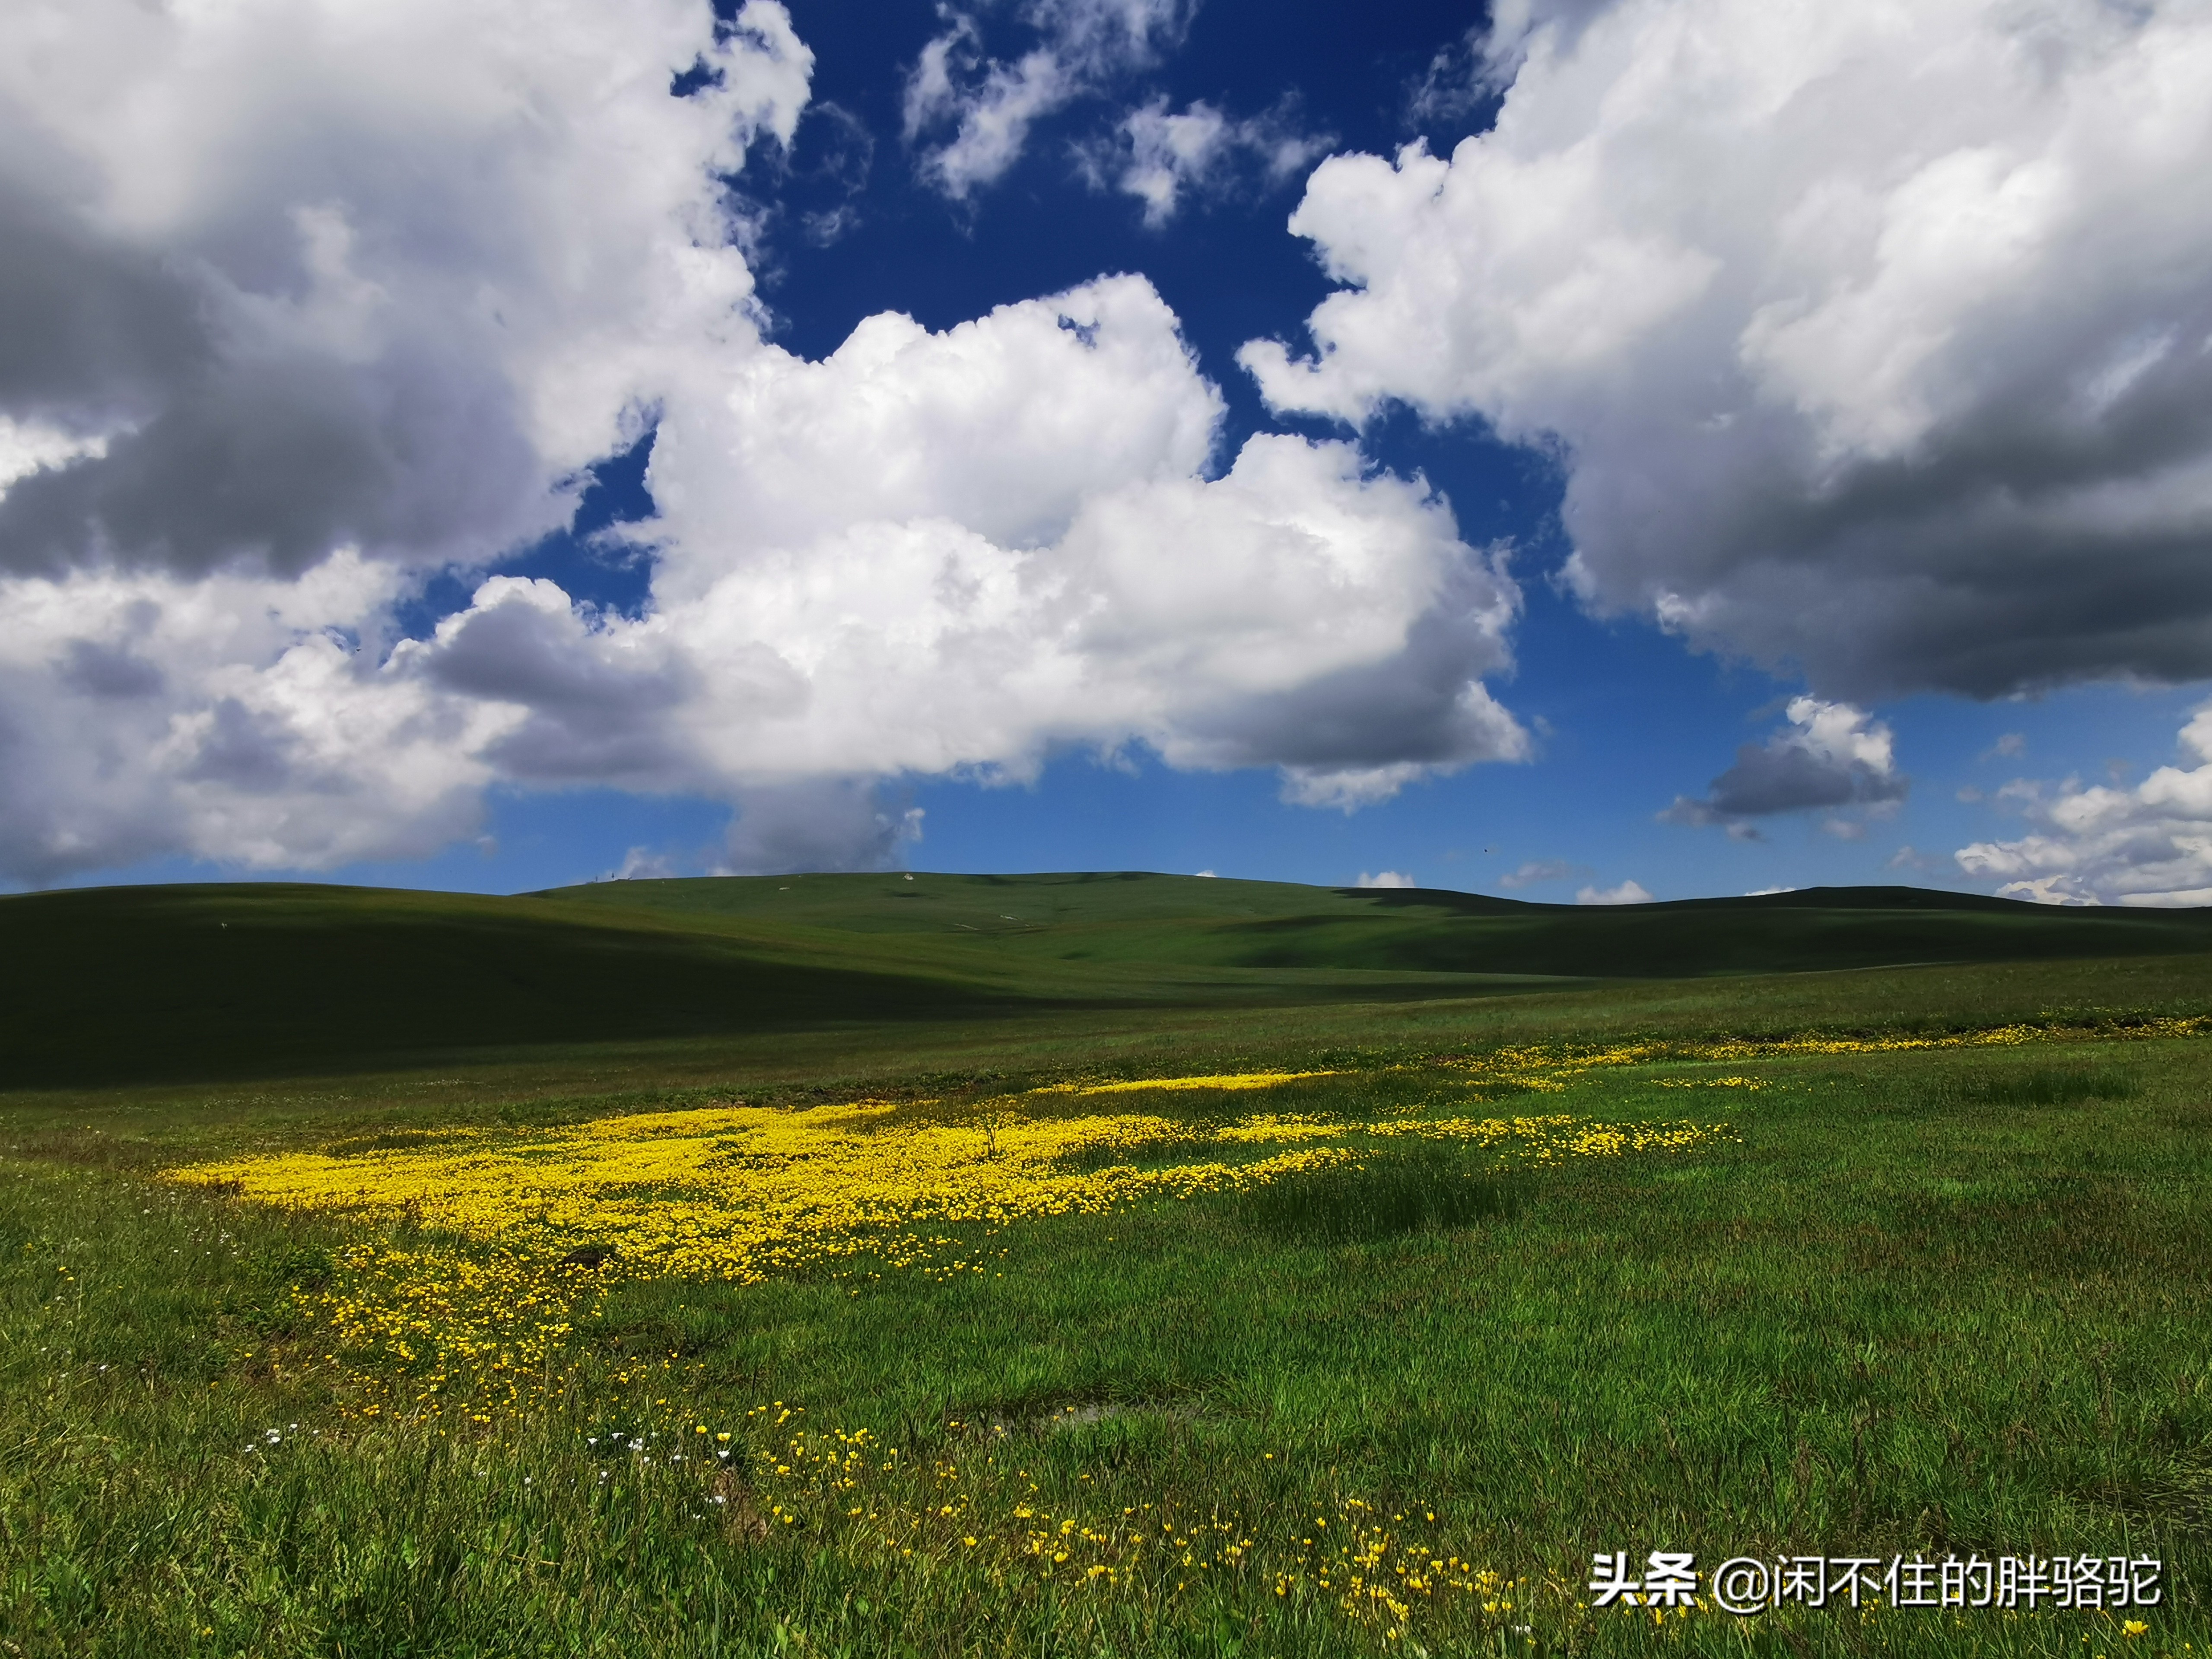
(307, 300)
(943, 553)
(1385, 879)
(1875, 341)
(1629, 892)
(2150, 845)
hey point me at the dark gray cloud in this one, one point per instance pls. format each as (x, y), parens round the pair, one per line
(1781, 776)
(819, 824)
(98, 669)
(1830, 756)
(1354, 735)
(93, 330)
(46, 831)
(2031, 547)
(591, 716)
(243, 749)
(228, 442)
(1412, 708)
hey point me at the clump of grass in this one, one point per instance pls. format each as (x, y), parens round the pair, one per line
(1379, 1195)
(2053, 1085)
(309, 1266)
(1144, 1155)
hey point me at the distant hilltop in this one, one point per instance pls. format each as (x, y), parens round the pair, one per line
(222, 980)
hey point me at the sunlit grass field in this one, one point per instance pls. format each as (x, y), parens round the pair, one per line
(1340, 1329)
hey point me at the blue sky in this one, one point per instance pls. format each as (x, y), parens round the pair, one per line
(1802, 508)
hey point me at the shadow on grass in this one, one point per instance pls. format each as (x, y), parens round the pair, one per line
(1383, 1193)
(2053, 1085)
(1165, 1153)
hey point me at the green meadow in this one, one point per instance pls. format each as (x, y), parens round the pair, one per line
(1866, 1224)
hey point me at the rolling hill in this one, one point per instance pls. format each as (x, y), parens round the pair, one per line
(237, 979)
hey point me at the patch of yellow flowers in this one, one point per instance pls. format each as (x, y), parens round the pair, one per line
(1222, 1080)
(502, 1234)
(745, 1193)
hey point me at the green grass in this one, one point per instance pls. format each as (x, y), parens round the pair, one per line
(267, 981)
(1924, 1300)
(2055, 1085)
(1407, 1189)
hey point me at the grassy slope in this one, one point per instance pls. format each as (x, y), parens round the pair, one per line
(1049, 921)
(262, 980)
(221, 979)
(1915, 1309)
(956, 1058)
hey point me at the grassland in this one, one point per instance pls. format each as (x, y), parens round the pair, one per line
(275, 981)
(921, 1326)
